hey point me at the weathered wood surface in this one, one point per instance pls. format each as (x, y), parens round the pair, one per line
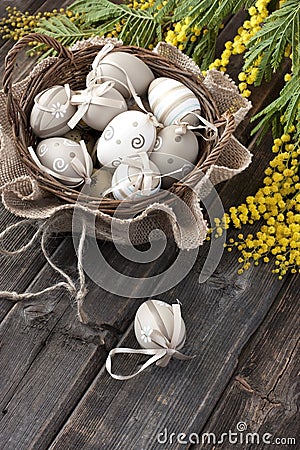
(55, 392)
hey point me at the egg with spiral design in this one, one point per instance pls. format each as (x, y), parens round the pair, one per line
(129, 133)
(65, 160)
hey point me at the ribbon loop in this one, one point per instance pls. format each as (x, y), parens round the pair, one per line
(92, 95)
(143, 181)
(204, 125)
(160, 356)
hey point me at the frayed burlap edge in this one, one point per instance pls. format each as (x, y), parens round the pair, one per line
(22, 195)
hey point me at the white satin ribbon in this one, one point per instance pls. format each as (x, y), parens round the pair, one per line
(206, 126)
(83, 170)
(161, 356)
(143, 182)
(95, 76)
(92, 95)
(61, 109)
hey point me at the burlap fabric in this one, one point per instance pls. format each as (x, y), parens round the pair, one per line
(22, 195)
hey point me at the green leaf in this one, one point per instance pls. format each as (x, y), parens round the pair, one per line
(282, 27)
(287, 104)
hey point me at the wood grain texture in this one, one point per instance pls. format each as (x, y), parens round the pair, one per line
(55, 392)
(221, 315)
(264, 391)
(46, 364)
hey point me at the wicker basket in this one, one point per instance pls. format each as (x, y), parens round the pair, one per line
(72, 67)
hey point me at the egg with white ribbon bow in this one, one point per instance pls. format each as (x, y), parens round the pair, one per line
(126, 70)
(155, 319)
(135, 178)
(175, 151)
(65, 160)
(52, 111)
(97, 105)
(170, 100)
(160, 331)
(129, 133)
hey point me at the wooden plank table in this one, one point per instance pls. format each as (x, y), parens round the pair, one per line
(54, 390)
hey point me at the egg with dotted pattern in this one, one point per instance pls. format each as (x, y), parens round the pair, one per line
(129, 133)
(174, 151)
(171, 100)
(156, 315)
(78, 135)
(101, 181)
(57, 154)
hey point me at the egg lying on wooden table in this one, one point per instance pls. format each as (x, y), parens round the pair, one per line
(171, 100)
(51, 112)
(155, 315)
(127, 134)
(174, 152)
(118, 66)
(65, 160)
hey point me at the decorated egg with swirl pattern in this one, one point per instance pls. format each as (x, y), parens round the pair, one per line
(59, 154)
(128, 133)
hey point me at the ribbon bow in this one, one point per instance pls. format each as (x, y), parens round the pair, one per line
(96, 76)
(203, 125)
(143, 181)
(160, 356)
(92, 95)
(83, 170)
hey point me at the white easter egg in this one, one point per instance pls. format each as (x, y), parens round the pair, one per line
(129, 133)
(116, 65)
(173, 151)
(171, 100)
(51, 112)
(156, 315)
(57, 154)
(127, 178)
(101, 181)
(98, 116)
